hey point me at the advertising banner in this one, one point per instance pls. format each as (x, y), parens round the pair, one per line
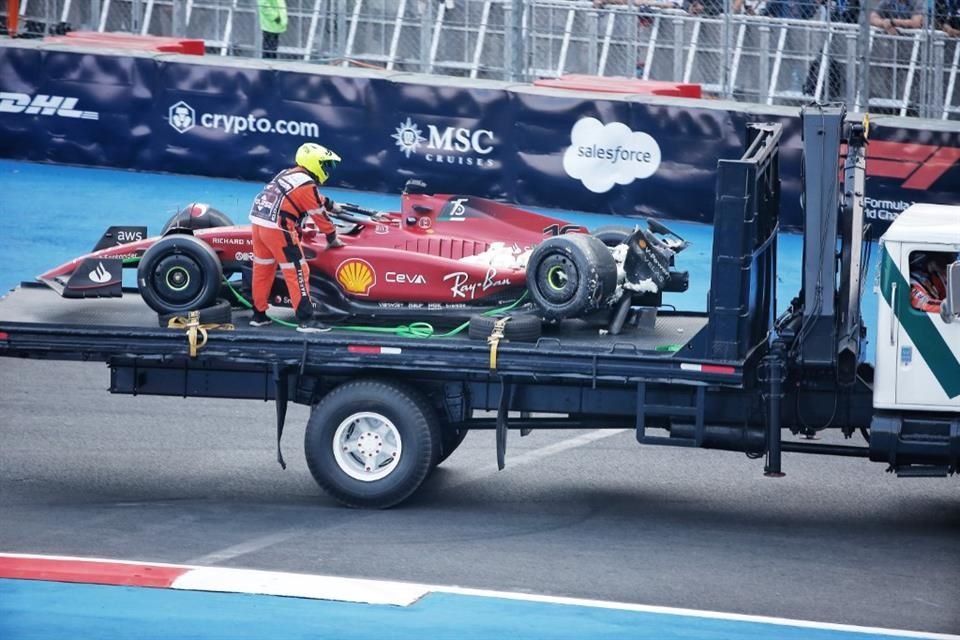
(531, 146)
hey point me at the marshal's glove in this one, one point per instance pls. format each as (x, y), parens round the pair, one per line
(333, 242)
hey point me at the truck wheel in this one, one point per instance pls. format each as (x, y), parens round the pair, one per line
(371, 443)
(521, 327)
(178, 274)
(570, 275)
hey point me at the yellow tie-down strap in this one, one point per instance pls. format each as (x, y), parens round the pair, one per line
(494, 339)
(196, 332)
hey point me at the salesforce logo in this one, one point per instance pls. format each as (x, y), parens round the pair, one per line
(602, 155)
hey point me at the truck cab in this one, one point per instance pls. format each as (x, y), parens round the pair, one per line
(916, 390)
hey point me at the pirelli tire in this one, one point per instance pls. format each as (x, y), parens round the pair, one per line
(521, 327)
(612, 235)
(370, 443)
(179, 274)
(570, 275)
(218, 313)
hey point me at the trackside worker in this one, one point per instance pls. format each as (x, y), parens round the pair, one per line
(276, 215)
(928, 280)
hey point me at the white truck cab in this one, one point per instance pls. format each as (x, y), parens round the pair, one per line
(918, 352)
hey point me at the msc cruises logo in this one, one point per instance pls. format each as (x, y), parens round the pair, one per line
(449, 145)
(182, 117)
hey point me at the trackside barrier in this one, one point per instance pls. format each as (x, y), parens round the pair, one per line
(539, 146)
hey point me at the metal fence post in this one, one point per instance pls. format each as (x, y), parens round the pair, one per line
(179, 18)
(726, 84)
(678, 34)
(426, 22)
(936, 102)
(851, 82)
(593, 35)
(764, 63)
(340, 38)
(863, 60)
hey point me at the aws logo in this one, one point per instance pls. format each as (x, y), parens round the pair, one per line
(356, 276)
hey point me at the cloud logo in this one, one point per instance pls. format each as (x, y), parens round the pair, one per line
(602, 155)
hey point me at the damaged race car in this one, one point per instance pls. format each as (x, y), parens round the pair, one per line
(440, 256)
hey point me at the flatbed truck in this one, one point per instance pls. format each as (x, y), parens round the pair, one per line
(386, 409)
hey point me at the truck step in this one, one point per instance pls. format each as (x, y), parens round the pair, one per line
(923, 471)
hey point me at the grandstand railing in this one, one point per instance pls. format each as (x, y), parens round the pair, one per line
(736, 56)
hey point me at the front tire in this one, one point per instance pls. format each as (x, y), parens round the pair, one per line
(179, 274)
(371, 443)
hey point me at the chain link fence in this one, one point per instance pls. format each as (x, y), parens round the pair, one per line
(893, 56)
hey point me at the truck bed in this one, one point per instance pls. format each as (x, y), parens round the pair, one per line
(35, 322)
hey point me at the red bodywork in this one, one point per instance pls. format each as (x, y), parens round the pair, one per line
(437, 249)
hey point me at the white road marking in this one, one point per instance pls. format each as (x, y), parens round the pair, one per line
(244, 548)
(537, 454)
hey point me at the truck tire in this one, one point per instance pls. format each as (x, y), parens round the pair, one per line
(179, 274)
(219, 313)
(521, 327)
(570, 275)
(371, 443)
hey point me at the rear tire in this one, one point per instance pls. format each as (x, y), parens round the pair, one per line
(179, 274)
(570, 275)
(371, 443)
(612, 235)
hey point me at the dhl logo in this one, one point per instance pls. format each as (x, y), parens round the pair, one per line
(356, 276)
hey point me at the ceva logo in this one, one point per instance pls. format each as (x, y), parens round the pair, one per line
(182, 117)
(602, 155)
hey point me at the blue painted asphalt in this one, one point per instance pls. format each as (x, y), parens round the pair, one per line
(49, 610)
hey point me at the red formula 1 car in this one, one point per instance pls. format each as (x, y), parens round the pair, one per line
(440, 256)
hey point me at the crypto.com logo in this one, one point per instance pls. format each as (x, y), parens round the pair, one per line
(917, 165)
(182, 117)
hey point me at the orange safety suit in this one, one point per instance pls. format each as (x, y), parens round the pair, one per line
(928, 288)
(276, 215)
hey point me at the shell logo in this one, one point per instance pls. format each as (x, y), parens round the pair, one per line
(356, 276)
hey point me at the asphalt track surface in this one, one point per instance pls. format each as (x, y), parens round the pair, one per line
(588, 514)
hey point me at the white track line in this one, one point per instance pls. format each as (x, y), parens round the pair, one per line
(242, 549)
(536, 455)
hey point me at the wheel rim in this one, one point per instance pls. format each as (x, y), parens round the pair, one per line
(367, 446)
(177, 279)
(557, 278)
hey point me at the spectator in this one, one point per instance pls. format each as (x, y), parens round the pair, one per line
(948, 13)
(795, 9)
(273, 22)
(891, 14)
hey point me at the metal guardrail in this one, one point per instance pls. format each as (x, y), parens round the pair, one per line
(735, 56)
